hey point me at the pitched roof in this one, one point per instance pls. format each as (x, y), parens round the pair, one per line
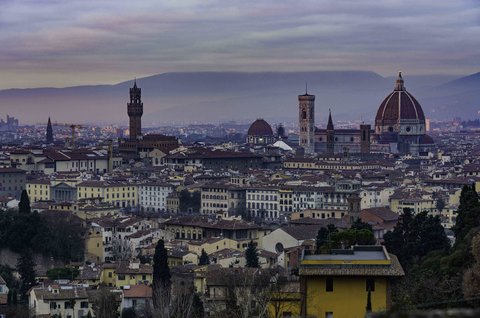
(302, 232)
(63, 294)
(383, 213)
(138, 291)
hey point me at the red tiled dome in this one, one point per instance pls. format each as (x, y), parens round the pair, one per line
(260, 128)
(397, 106)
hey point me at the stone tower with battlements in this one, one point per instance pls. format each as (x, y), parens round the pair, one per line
(135, 111)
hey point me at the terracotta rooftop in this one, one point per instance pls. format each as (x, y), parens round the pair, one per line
(138, 291)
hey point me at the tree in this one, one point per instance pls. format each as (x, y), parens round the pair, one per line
(14, 297)
(415, 236)
(10, 297)
(63, 273)
(105, 304)
(322, 237)
(360, 225)
(365, 237)
(440, 204)
(369, 301)
(190, 202)
(129, 313)
(471, 277)
(350, 237)
(468, 213)
(26, 269)
(59, 235)
(251, 255)
(121, 249)
(24, 204)
(204, 259)
(197, 307)
(161, 278)
(248, 292)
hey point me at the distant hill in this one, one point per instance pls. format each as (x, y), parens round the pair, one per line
(224, 96)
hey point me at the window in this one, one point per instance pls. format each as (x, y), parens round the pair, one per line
(370, 284)
(84, 304)
(53, 305)
(329, 284)
(329, 314)
(121, 277)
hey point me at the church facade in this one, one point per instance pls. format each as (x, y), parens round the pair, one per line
(399, 128)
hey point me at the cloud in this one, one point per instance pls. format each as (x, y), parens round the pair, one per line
(62, 43)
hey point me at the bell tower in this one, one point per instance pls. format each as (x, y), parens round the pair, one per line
(306, 107)
(49, 134)
(365, 138)
(330, 135)
(135, 111)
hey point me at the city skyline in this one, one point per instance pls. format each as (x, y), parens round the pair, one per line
(56, 43)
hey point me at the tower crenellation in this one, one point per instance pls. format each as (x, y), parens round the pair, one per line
(135, 111)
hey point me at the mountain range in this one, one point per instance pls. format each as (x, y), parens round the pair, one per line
(225, 96)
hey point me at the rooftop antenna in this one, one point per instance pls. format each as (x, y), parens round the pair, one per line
(306, 88)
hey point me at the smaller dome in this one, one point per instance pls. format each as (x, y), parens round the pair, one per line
(260, 128)
(426, 140)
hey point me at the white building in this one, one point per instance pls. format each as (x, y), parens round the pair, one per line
(137, 297)
(375, 197)
(152, 197)
(263, 203)
(221, 197)
(63, 301)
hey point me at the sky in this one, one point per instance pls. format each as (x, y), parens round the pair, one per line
(72, 42)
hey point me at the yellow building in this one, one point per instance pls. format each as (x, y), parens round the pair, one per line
(214, 244)
(125, 273)
(337, 285)
(318, 214)
(108, 276)
(94, 248)
(120, 194)
(286, 302)
(38, 190)
(416, 204)
(133, 274)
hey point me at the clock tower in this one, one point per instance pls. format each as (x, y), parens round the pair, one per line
(135, 111)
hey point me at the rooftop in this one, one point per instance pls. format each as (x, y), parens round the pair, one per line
(358, 261)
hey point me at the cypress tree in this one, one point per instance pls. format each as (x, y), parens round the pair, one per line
(197, 307)
(161, 276)
(204, 259)
(322, 238)
(24, 204)
(251, 255)
(26, 269)
(468, 214)
(369, 301)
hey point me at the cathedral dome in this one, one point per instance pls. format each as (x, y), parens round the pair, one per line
(398, 107)
(260, 128)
